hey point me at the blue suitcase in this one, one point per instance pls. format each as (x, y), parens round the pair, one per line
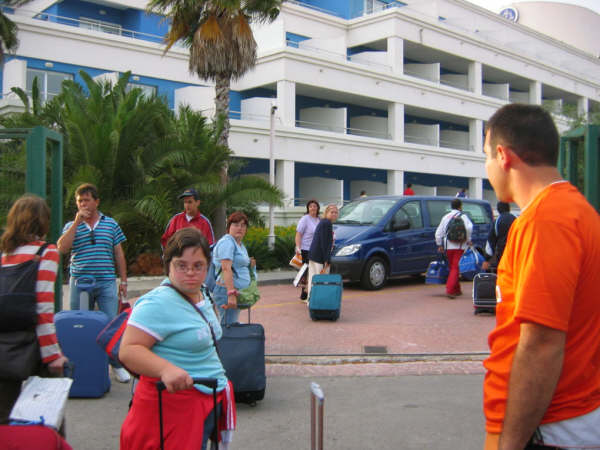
(76, 332)
(437, 272)
(325, 299)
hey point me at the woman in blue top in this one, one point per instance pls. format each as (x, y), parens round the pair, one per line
(170, 336)
(232, 266)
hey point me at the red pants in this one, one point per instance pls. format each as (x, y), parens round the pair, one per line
(452, 284)
(184, 413)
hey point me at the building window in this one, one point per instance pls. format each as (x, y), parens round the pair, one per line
(372, 6)
(147, 91)
(99, 25)
(49, 83)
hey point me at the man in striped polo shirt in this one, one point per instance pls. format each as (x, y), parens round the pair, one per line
(94, 241)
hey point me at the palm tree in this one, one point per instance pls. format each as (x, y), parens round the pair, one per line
(191, 156)
(8, 29)
(222, 48)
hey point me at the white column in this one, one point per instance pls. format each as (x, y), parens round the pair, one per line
(395, 54)
(395, 182)
(14, 74)
(476, 188)
(583, 106)
(396, 121)
(476, 135)
(535, 93)
(286, 102)
(284, 180)
(475, 77)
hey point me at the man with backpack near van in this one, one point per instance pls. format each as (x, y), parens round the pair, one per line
(542, 386)
(452, 236)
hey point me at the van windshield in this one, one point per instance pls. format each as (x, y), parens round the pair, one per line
(366, 212)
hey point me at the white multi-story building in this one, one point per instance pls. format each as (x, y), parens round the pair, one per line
(370, 94)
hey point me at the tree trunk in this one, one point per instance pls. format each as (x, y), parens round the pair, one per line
(222, 84)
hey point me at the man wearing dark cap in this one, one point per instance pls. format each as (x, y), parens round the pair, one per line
(190, 217)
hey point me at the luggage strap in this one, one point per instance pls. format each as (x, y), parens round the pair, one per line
(191, 302)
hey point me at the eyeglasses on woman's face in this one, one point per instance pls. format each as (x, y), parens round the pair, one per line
(182, 267)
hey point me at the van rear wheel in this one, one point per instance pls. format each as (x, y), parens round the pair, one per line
(375, 274)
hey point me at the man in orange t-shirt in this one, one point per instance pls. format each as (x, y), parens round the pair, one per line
(542, 386)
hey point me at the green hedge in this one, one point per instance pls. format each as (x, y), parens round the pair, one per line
(256, 241)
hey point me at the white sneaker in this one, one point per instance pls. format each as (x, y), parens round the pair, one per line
(121, 375)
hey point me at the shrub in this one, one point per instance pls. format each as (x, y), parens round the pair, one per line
(256, 241)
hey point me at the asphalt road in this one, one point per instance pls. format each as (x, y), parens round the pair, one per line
(403, 412)
(379, 401)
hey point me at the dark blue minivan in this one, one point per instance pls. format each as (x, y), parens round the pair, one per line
(385, 236)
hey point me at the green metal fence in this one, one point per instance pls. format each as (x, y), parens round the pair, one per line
(37, 169)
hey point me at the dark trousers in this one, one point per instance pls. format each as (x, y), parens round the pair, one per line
(9, 392)
(304, 279)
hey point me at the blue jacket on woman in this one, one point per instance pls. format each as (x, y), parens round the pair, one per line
(322, 243)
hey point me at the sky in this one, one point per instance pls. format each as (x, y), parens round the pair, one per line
(496, 5)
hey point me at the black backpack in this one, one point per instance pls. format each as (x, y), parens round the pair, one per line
(456, 231)
(18, 299)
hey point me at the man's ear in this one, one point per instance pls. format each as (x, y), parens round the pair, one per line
(506, 157)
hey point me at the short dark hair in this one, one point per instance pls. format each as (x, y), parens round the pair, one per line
(87, 188)
(456, 203)
(528, 130)
(235, 217)
(189, 237)
(503, 207)
(312, 200)
(409, 185)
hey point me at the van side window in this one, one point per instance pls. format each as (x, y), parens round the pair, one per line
(437, 209)
(476, 213)
(410, 212)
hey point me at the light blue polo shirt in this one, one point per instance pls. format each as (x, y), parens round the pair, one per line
(228, 248)
(183, 337)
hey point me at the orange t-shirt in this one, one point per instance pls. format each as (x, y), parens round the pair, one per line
(550, 275)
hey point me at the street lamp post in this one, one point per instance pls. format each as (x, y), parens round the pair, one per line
(271, 237)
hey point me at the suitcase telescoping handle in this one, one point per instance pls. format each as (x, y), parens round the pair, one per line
(211, 383)
(317, 399)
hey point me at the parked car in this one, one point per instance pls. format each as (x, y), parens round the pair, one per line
(385, 236)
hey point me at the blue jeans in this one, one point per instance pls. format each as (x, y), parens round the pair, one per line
(104, 293)
(228, 316)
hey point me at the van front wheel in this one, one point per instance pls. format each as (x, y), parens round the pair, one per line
(375, 274)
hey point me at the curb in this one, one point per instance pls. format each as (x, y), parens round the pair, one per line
(328, 360)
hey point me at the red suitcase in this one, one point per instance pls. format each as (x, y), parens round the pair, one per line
(27, 437)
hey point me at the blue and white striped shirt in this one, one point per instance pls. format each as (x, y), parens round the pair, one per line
(98, 259)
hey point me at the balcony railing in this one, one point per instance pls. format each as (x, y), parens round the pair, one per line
(90, 25)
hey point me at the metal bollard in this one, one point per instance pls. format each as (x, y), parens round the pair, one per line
(317, 400)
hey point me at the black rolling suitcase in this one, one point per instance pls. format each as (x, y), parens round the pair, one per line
(242, 352)
(484, 293)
